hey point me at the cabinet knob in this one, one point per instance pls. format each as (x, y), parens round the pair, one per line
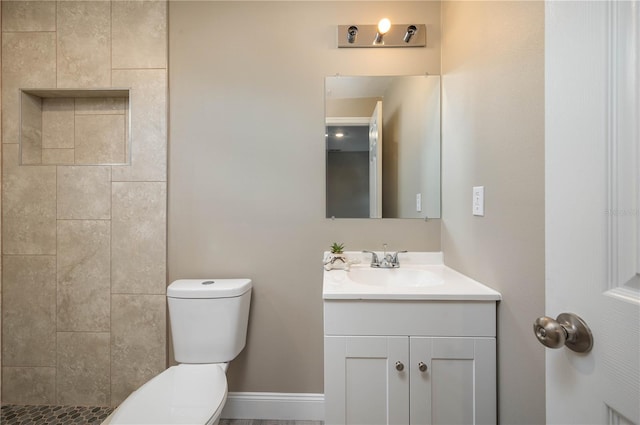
(422, 367)
(399, 366)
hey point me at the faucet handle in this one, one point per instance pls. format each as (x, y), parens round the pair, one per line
(374, 257)
(395, 257)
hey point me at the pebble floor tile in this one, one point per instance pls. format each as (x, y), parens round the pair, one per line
(11, 414)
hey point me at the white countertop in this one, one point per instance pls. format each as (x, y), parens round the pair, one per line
(454, 285)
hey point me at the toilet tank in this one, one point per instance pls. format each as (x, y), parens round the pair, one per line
(208, 318)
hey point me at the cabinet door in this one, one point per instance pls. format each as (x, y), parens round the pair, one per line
(459, 383)
(362, 384)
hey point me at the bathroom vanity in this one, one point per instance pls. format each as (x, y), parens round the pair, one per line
(412, 345)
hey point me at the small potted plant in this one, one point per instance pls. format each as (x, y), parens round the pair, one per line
(337, 249)
(336, 257)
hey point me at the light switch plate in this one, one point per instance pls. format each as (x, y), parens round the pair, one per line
(478, 201)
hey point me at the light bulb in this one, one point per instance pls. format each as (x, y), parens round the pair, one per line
(383, 26)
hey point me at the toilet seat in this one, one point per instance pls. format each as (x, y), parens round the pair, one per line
(183, 394)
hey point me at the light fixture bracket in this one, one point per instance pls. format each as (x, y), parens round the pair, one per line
(395, 37)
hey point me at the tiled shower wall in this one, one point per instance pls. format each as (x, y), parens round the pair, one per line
(84, 247)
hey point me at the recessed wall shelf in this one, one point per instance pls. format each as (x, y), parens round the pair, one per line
(75, 126)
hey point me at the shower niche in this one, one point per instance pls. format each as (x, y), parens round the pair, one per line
(75, 127)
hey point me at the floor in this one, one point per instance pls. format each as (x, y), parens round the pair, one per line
(71, 415)
(11, 414)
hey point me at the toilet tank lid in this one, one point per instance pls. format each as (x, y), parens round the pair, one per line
(208, 288)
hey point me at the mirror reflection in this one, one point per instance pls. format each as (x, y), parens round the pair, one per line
(382, 146)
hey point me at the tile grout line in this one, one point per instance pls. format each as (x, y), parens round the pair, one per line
(56, 372)
(111, 286)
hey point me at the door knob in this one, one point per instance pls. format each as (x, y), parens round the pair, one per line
(567, 329)
(422, 367)
(399, 366)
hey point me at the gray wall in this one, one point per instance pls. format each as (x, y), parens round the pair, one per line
(246, 189)
(246, 164)
(493, 135)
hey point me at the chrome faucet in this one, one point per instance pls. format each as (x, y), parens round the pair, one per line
(389, 260)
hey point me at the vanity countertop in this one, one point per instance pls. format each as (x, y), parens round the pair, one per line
(421, 276)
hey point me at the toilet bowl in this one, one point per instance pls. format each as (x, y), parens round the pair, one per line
(208, 324)
(183, 394)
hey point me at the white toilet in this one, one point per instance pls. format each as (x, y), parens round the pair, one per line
(209, 328)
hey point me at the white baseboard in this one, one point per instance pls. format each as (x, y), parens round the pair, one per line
(282, 406)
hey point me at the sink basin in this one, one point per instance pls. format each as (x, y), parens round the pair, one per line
(405, 277)
(421, 276)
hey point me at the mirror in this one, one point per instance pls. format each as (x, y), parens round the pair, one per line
(382, 146)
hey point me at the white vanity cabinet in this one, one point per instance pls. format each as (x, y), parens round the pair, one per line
(410, 361)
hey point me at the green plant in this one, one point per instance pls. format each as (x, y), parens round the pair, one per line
(337, 248)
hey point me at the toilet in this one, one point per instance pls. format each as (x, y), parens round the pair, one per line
(209, 328)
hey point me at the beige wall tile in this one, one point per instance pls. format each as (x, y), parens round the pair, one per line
(84, 192)
(84, 43)
(148, 103)
(138, 253)
(100, 105)
(29, 385)
(84, 60)
(28, 16)
(29, 292)
(83, 368)
(57, 123)
(100, 139)
(58, 156)
(138, 342)
(31, 129)
(29, 206)
(28, 61)
(83, 263)
(139, 34)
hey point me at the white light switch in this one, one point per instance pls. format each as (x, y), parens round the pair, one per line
(478, 201)
(418, 202)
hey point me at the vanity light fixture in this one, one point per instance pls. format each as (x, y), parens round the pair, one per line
(382, 35)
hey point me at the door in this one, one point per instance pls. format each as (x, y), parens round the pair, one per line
(375, 162)
(592, 210)
(452, 381)
(364, 384)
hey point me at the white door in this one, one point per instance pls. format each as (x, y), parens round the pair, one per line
(592, 210)
(375, 162)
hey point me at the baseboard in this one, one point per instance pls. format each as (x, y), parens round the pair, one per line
(282, 406)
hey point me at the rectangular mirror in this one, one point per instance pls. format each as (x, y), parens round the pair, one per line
(382, 146)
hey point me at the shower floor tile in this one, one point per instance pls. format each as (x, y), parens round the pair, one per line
(11, 414)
